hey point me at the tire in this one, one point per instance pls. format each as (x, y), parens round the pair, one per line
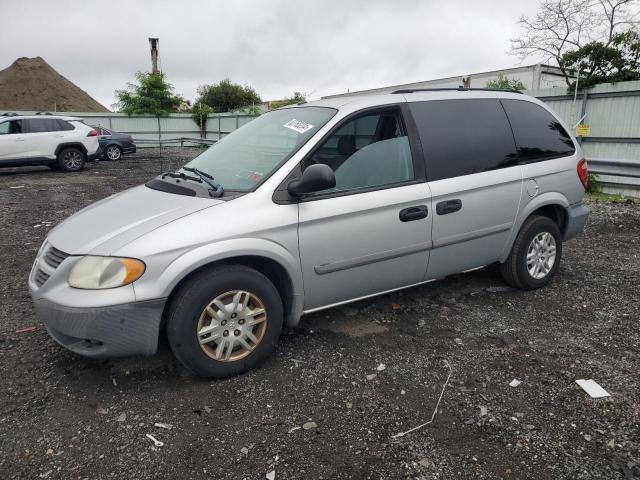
(112, 152)
(517, 271)
(71, 159)
(193, 311)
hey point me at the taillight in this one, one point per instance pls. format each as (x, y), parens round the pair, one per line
(92, 133)
(583, 172)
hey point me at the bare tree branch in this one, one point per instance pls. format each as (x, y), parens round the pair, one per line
(560, 26)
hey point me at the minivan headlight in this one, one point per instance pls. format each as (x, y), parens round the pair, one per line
(92, 272)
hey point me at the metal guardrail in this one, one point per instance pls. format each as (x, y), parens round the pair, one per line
(615, 167)
(618, 176)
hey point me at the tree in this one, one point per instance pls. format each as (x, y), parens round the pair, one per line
(200, 113)
(297, 98)
(151, 95)
(600, 63)
(504, 83)
(561, 26)
(227, 97)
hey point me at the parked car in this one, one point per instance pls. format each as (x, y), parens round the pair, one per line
(114, 144)
(60, 142)
(309, 207)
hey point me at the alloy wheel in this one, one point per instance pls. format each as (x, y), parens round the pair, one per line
(232, 325)
(72, 160)
(113, 153)
(541, 255)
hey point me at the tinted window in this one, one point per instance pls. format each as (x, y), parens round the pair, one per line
(64, 125)
(538, 134)
(369, 151)
(11, 127)
(39, 125)
(461, 137)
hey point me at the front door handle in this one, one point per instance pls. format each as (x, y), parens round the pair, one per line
(448, 206)
(19, 139)
(413, 213)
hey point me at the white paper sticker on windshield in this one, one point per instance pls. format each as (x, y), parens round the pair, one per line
(298, 125)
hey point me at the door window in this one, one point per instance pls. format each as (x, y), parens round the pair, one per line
(539, 136)
(462, 137)
(11, 127)
(371, 150)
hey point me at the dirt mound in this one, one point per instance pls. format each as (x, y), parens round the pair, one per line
(31, 84)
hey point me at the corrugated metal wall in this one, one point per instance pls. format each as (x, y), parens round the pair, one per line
(613, 148)
(176, 125)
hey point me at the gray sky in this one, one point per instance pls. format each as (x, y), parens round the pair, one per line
(276, 46)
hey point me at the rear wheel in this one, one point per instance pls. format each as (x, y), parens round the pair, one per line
(224, 321)
(71, 159)
(113, 152)
(535, 256)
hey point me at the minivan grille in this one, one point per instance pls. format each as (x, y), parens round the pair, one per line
(46, 264)
(54, 257)
(40, 277)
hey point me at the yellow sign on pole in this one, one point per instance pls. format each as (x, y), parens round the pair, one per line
(583, 130)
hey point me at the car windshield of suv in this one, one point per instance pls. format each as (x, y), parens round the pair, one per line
(246, 156)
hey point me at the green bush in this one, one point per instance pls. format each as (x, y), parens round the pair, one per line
(593, 185)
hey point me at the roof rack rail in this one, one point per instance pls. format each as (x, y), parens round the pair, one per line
(9, 114)
(43, 113)
(456, 89)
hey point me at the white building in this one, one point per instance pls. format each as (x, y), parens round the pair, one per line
(534, 77)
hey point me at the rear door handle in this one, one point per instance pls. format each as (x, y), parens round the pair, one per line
(19, 139)
(413, 213)
(448, 206)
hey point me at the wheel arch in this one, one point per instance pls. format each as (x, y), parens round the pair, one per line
(278, 269)
(78, 145)
(552, 205)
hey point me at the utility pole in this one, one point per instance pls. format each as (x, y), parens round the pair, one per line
(155, 45)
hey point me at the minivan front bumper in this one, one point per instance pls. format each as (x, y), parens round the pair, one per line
(100, 332)
(577, 216)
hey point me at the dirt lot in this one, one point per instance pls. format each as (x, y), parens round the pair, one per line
(62, 416)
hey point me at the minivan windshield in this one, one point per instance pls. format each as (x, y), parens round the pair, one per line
(246, 156)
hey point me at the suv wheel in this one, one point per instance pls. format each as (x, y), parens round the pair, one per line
(71, 159)
(535, 256)
(113, 152)
(224, 321)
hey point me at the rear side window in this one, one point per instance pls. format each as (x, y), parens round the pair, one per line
(64, 125)
(461, 137)
(539, 136)
(40, 125)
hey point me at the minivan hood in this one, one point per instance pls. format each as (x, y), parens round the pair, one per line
(107, 225)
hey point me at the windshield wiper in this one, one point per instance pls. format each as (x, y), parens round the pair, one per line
(218, 191)
(182, 176)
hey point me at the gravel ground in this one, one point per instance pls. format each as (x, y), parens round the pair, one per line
(63, 416)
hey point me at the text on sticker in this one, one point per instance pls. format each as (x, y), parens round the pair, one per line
(298, 125)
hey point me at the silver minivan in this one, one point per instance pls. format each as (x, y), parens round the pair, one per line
(309, 207)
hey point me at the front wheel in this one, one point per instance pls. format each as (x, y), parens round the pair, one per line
(535, 256)
(224, 321)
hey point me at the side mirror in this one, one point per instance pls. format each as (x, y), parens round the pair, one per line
(314, 179)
